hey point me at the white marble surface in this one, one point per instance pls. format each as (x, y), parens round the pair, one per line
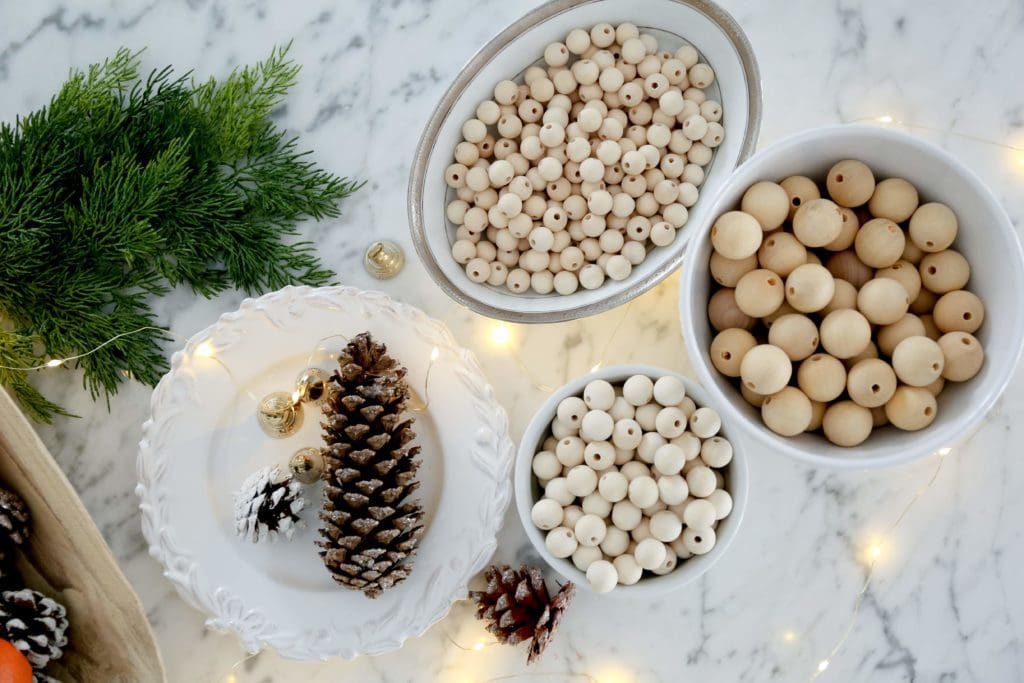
(945, 605)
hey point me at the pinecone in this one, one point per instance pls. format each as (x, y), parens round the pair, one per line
(268, 504)
(518, 607)
(370, 526)
(15, 521)
(35, 624)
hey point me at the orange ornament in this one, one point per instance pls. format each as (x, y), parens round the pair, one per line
(14, 668)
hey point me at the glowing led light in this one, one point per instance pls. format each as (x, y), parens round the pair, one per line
(789, 636)
(596, 367)
(945, 451)
(500, 334)
(55, 362)
(434, 354)
(822, 665)
(205, 350)
(875, 551)
(882, 119)
(478, 646)
(613, 673)
(231, 678)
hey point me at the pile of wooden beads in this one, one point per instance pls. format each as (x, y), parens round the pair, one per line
(843, 312)
(632, 479)
(563, 180)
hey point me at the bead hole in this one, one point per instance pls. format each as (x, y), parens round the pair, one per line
(931, 270)
(726, 355)
(967, 316)
(796, 201)
(965, 341)
(839, 177)
(935, 367)
(928, 411)
(875, 388)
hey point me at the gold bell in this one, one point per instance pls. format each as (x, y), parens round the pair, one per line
(307, 464)
(280, 414)
(384, 259)
(311, 385)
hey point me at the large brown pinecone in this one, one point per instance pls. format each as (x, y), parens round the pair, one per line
(517, 606)
(15, 521)
(35, 624)
(370, 525)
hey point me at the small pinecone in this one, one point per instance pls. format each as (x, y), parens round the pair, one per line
(370, 525)
(517, 606)
(268, 504)
(14, 518)
(35, 624)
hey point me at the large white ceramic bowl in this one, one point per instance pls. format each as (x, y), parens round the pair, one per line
(528, 492)
(721, 43)
(986, 237)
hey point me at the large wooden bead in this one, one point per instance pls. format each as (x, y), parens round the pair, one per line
(787, 412)
(964, 356)
(795, 334)
(871, 382)
(959, 311)
(850, 183)
(765, 369)
(893, 198)
(944, 271)
(924, 303)
(728, 349)
(727, 272)
(933, 227)
(879, 243)
(848, 231)
(801, 190)
(906, 274)
(890, 335)
(845, 296)
(883, 301)
(918, 361)
(911, 408)
(818, 222)
(723, 312)
(810, 288)
(736, 235)
(759, 293)
(847, 424)
(782, 253)
(767, 202)
(846, 266)
(845, 333)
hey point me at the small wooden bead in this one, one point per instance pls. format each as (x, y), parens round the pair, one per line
(765, 369)
(894, 199)
(489, 112)
(845, 333)
(871, 382)
(795, 334)
(918, 361)
(912, 254)
(699, 541)
(890, 335)
(591, 276)
(669, 391)
(727, 272)
(817, 415)
(474, 130)
(704, 422)
(850, 183)
(561, 542)
(781, 252)
(879, 243)
(787, 412)
(577, 41)
(845, 296)
(701, 75)
(883, 301)
(728, 349)
(752, 397)
(821, 377)
(478, 270)
(959, 311)
(759, 293)
(800, 190)
(944, 271)
(846, 266)
(662, 234)
(906, 274)
(818, 222)
(933, 227)
(808, 288)
(518, 280)
(964, 356)
(911, 408)
(847, 424)
(670, 422)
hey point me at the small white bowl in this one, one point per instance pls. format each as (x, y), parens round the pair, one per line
(986, 237)
(721, 43)
(528, 492)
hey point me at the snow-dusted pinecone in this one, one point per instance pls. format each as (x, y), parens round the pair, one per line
(35, 624)
(14, 518)
(268, 505)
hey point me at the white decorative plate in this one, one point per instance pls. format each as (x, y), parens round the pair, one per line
(203, 439)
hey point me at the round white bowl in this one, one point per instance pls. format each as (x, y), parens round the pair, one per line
(721, 43)
(528, 492)
(986, 237)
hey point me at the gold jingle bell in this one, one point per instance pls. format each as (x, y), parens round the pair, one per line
(279, 414)
(307, 464)
(311, 385)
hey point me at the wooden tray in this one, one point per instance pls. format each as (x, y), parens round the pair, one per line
(67, 558)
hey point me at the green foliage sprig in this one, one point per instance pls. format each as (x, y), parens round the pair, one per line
(122, 188)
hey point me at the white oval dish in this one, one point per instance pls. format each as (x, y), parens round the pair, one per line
(706, 26)
(203, 439)
(527, 489)
(986, 237)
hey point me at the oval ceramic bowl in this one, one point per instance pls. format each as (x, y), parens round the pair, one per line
(986, 237)
(528, 491)
(710, 29)
(203, 440)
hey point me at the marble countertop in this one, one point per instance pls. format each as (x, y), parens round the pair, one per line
(945, 602)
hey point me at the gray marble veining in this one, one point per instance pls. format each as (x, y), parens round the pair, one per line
(945, 603)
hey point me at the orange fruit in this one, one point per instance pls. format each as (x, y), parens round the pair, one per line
(14, 668)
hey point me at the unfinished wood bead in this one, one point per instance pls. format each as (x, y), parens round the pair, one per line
(871, 382)
(879, 243)
(894, 199)
(933, 227)
(906, 274)
(759, 293)
(765, 369)
(944, 271)
(959, 311)
(963, 354)
(723, 312)
(818, 222)
(787, 412)
(768, 203)
(727, 272)
(890, 335)
(795, 334)
(918, 361)
(911, 408)
(800, 190)
(808, 288)
(850, 183)
(736, 235)
(781, 252)
(821, 377)
(847, 424)
(728, 349)
(845, 333)
(883, 301)
(846, 266)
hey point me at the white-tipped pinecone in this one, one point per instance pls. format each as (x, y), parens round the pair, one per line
(268, 505)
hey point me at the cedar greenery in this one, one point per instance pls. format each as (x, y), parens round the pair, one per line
(123, 188)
